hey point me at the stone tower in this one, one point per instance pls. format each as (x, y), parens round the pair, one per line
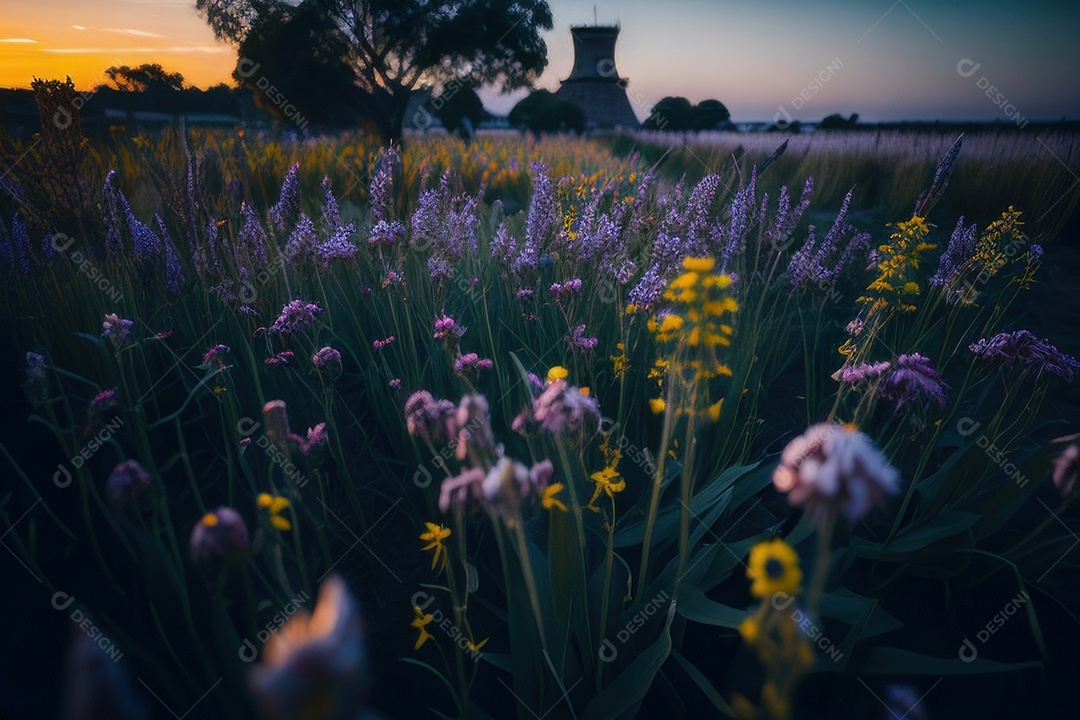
(594, 83)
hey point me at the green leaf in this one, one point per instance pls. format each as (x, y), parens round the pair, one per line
(895, 661)
(624, 694)
(693, 605)
(911, 541)
(703, 682)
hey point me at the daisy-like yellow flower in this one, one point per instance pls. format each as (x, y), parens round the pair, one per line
(699, 264)
(657, 405)
(420, 622)
(275, 505)
(434, 538)
(557, 373)
(774, 568)
(549, 501)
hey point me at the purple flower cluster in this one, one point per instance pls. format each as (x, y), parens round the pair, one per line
(431, 420)
(35, 367)
(820, 266)
(219, 537)
(787, 217)
(302, 240)
(284, 215)
(337, 247)
(446, 328)
(471, 361)
(577, 340)
(101, 407)
(327, 363)
(381, 188)
(445, 224)
(960, 249)
(386, 234)
(295, 316)
(913, 380)
(562, 291)
(543, 212)
(116, 329)
(380, 344)
(863, 372)
(213, 356)
(127, 486)
(331, 215)
(561, 410)
(1022, 348)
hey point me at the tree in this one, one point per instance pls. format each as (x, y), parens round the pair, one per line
(677, 113)
(391, 47)
(148, 77)
(459, 109)
(710, 114)
(542, 111)
(836, 121)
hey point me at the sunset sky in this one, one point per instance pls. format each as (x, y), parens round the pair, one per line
(886, 60)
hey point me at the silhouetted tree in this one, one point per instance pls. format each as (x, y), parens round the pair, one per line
(671, 113)
(542, 111)
(148, 77)
(393, 46)
(836, 121)
(710, 114)
(459, 109)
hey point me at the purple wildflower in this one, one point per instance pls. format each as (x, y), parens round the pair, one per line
(394, 384)
(567, 289)
(327, 363)
(284, 215)
(331, 215)
(101, 406)
(295, 316)
(561, 410)
(116, 329)
(960, 249)
(821, 265)
(1024, 349)
(336, 247)
(446, 328)
(381, 188)
(543, 209)
(212, 357)
(35, 367)
(471, 361)
(276, 422)
(220, 536)
(649, 288)
(127, 486)
(282, 358)
(1067, 467)
(302, 240)
(386, 234)
(576, 339)
(316, 437)
(863, 372)
(380, 344)
(429, 419)
(503, 245)
(251, 241)
(475, 439)
(913, 380)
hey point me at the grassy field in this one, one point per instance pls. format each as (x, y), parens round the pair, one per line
(557, 418)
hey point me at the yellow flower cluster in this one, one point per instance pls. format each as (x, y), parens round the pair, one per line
(619, 363)
(899, 262)
(275, 505)
(990, 253)
(772, 631)
(607, 481)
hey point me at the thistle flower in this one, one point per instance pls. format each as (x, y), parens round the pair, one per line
(430, 420)
(327, 363)
(773, 568)
(220, 536)
(833, 468)
(116, 329)
(295, 316)
(1022, 348)
(913, 380)
(127, 486)
(213, 356)
(446, 328)
(99, 409)
(316, 665)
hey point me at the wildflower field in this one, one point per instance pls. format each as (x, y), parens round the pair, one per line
(558, 428)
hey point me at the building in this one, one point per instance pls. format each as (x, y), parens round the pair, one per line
(594, 83)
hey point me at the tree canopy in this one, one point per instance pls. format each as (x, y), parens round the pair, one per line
(543, 111)
(678, 113)
(383, 48)
(148, 77)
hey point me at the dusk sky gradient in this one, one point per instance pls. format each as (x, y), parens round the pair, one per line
(886, 60)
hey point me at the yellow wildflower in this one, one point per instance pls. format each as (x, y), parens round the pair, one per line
(549, 501)
(774, 568)
(434, 537)
(608, 481)
(699, 264)
(275, 505)
(420, 622)
(657, 405)
(476, 648)
(558, 372)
